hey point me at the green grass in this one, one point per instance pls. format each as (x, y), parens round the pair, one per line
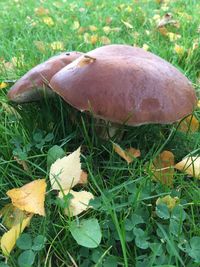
(123, 192)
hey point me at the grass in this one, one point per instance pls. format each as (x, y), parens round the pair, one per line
(135, 232)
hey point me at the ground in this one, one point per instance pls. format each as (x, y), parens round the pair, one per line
(135, 230)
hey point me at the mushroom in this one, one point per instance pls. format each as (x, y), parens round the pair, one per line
(126, 85)
(34, 84)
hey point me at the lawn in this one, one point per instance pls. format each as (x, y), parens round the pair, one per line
(136, 230)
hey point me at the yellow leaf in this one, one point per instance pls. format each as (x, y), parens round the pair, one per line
(41, 11)
(127, 24)
(86, 38)
(57, 46)
(3, 85)
(190, 165)
(75, 25)
(93, 39)
(93, 28)
(104, 40)
(41, 46)
(128, 154)
(173, 36)
(107, 29)
(29, 197)
(145, 47)
(189, 124)
(65, 173)
(48, 21)
(171, 202)
(9, 239)
(163, 31)
(179, 49)
(198, 104)
(78, 203)
(163, 168)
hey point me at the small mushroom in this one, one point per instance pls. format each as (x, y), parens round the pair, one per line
(126, 85)
(34, 84)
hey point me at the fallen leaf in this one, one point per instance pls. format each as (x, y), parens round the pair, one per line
(86, 38)
(163, 168)
(145, 47)
(108, 20)
(11, 215)
(22, 163)
(190, 165)
(189, 124)
(128, 154)
(107, 29)
(48, 21)
(179, 49)
(75, 25)
(198, 104)
(127, 24)
(9, 239)
(104, 40)
(29, 197)
(94, 39)
(57, 46)
(85, 60)
(166, 20)
(79, 202)
(65, 173)
(41, 46)
(93, 28)
(171, 202)
(41, 11)
(83, 178)
(173, 36)
(3, 85)
(163, 31)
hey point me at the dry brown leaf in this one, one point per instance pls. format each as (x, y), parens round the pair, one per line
(94, 39)
(128, 154)
(163, 31)
(85, 60)
(30, 197)
(65, 173)
(189, 124)
(84, 178)
(163, 168)
(171, 202)
(190, 165)
(22, 163)
(78, 203)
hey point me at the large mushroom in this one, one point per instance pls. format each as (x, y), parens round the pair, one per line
(34, 84)
(126, 85)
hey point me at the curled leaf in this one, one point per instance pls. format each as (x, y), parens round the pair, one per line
(128, 154)
(29, 197)
(190, 165)
(166, 20)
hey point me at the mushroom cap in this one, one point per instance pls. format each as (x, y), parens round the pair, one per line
(125, 84)
(33, 85)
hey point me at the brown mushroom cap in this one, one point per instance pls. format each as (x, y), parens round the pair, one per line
(126, 85)
(33, 85)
